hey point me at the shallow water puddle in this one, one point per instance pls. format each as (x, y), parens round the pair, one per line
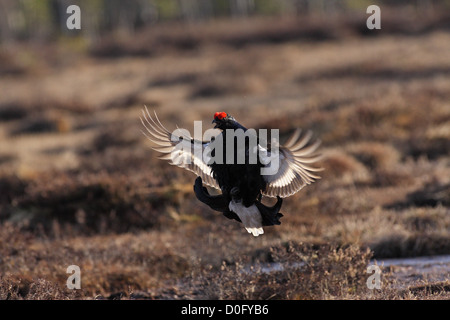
(406, 271)
(414, 271)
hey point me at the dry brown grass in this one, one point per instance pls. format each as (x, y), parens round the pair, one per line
(80, 184)
(299, 272)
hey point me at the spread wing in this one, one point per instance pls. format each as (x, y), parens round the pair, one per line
(294, 166)
(178, 147)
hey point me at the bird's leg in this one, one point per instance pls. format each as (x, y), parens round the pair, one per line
(235, 194)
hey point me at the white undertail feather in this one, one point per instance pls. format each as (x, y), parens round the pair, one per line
(250, 217)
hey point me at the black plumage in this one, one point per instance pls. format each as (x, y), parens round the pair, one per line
(237, 171)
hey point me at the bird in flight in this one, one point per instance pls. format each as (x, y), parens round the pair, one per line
(244, 171)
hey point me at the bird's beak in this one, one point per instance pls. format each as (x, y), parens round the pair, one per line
(216, 122)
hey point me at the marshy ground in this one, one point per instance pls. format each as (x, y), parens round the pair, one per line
(80, 184)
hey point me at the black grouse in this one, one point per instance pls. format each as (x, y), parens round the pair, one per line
(234, 162)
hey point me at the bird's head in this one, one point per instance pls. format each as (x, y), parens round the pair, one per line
(224, 121)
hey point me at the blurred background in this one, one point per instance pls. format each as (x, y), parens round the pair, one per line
(80, 184)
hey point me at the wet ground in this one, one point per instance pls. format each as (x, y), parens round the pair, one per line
(410, 272)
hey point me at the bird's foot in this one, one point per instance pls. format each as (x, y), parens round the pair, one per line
(270, 215)
(235, 194)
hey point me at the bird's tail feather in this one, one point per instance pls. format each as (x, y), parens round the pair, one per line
(253, 217)
(270, 215)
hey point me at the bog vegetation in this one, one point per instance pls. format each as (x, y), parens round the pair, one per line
(80, 184)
